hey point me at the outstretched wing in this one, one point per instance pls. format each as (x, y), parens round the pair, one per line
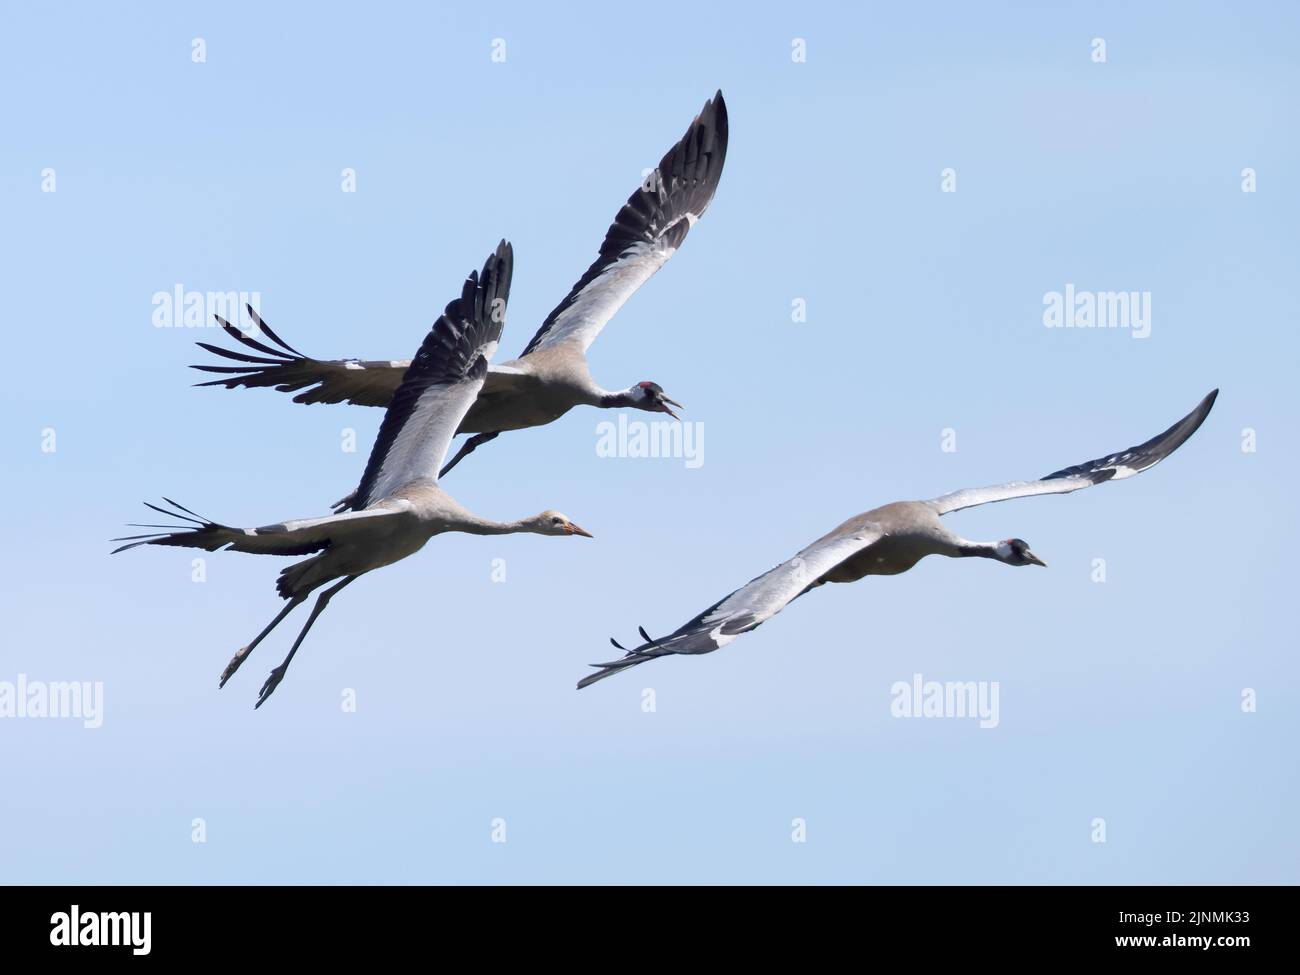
(356, 381)
(299, 537)
(647, 231)
(1113, 467)
(751, 604)
(440, 386)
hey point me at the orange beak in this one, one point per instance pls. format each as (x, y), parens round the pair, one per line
(573, 529)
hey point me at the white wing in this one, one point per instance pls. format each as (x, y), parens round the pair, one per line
(505, 379)
(647, 231)
(1113, 467)
(441, 384)
(751, 605)
(301, 536)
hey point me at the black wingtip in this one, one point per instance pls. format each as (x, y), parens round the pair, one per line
(187, 510)
(503, 263)
(266, 329)
(1145, 455)
(1203, 410)
(720, 121)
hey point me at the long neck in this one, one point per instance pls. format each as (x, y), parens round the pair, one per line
(485, 526)
(964, 548)
(612, 401)
(978, 550)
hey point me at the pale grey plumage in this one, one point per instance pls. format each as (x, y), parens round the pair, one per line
(550, 377)
(402, 505)
(889, 540)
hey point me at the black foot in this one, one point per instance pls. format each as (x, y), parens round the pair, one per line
(271, 684)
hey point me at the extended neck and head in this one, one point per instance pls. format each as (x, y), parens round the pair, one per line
(1011, 551)
(643, 396)
(549, 522)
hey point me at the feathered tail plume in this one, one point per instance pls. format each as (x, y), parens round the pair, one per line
(647, 651)
(194, 531)
(259, 370)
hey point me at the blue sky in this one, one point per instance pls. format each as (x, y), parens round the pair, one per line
(1119, 701)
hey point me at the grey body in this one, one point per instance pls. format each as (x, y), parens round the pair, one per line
(890, 540)
(538, 390)
(399, 505)
(407, 518)
(909, 531)
(550, 377)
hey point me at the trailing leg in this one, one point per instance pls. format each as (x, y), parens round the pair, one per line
(242, 654)
(467, 448)
(278, 673)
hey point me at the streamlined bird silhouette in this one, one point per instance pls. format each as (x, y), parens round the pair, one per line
(399, 505)
(551, 376)
(889, 540)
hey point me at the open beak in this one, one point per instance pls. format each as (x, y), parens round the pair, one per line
(573, 529)
(1033, 559)
(665, 402)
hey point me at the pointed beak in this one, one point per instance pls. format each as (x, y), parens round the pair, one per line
(1033, 559)
(573, 529)
(665, 402)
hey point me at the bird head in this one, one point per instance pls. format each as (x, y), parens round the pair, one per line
(552, 522)
(1015, 551)
(650, 397)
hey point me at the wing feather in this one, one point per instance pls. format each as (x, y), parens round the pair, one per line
(751, 605)
(645, 233)
(301, 536)
(441, 384)
(1112, 467)
(357, 381)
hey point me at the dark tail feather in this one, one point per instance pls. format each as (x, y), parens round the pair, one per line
(647, 651)
(616, 667)
(257, 320)
(260, 360)
(173, 514)
(293, 580)
(248, 341)
(258, 370)
(203, 519)
(190, 533)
